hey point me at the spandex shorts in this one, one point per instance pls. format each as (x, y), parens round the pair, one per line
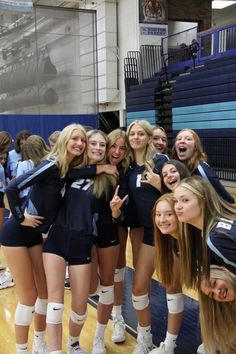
(15, 235)
(107, 235)
(74, 247)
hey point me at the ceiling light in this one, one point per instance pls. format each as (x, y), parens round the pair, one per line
(221, 4)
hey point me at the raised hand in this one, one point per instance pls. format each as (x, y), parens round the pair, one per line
(116, 203)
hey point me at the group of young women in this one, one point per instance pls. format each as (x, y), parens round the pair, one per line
(98, 188)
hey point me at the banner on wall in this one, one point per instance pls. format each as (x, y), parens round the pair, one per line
(153, 11)
(16, 6)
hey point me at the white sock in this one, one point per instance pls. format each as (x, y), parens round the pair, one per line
(144, 330)
(56, 352)
(100, 330)
(22, 348)
(72, 340)
(117, 311)
(170, 340)
(39, 337)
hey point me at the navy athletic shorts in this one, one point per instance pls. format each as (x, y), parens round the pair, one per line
(73, 246)
(107, 235)
(15, 235)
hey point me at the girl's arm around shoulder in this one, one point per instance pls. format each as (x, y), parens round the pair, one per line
(91, 170)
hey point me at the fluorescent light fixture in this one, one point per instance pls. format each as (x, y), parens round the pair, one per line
(221, 4)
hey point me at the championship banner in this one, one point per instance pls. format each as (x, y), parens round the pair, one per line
(16, 6)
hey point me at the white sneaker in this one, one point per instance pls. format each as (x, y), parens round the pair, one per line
(163, 349)
(40, 348)
(118, 329)
(75, 349)
(98, 346)
(144, 345)
(6, 280)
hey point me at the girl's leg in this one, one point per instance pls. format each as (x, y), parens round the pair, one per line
(107, 261)
(140, 296)
(55, 268)
(136, 239)
(175, 304)
(95, 279)
(39, 345)
(80, 283)
(118, 326)
(20, 263)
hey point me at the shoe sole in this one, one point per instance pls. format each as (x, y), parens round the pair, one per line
(7, 286)
(118, 341)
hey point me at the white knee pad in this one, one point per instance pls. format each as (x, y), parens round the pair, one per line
(54, 313)
(140, 302)
(119, 275)
(106, 295)
(175, 302)
(24, 315)
(78, 319)
(41, 306)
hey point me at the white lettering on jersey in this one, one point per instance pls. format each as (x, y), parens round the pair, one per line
(82, 184)
(225, 224)
(138, 181)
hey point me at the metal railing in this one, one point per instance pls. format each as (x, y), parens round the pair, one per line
(143, 64)
(217, 42)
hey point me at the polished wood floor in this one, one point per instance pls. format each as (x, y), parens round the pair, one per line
(8, 301)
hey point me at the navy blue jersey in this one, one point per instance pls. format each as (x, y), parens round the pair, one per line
(142, 195)
(45, 193)
(222, 244)
(78, 208)
(208, 173)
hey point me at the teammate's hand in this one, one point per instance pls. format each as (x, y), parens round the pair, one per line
(32, 220)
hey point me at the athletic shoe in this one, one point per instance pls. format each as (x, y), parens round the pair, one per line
(163, 349)
(98, 346)
(67, 284)
(144, 345)
(40, 348)
(75, 348)
(118, 329)
(6, 280)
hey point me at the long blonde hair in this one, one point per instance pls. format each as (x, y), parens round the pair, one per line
(150, 149)
(194, 253)
(217, 319)
(59, 151)
(101, 184)
(164, 246)
(198, 153)
(112, 137)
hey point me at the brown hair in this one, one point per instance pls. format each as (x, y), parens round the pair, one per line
(198, 154)
(164, 246)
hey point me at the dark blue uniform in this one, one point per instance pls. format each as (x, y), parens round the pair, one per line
(44, 199)
(72, 232)
(222, 244)
(208, 173)
(142, 196)
(107, 229)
